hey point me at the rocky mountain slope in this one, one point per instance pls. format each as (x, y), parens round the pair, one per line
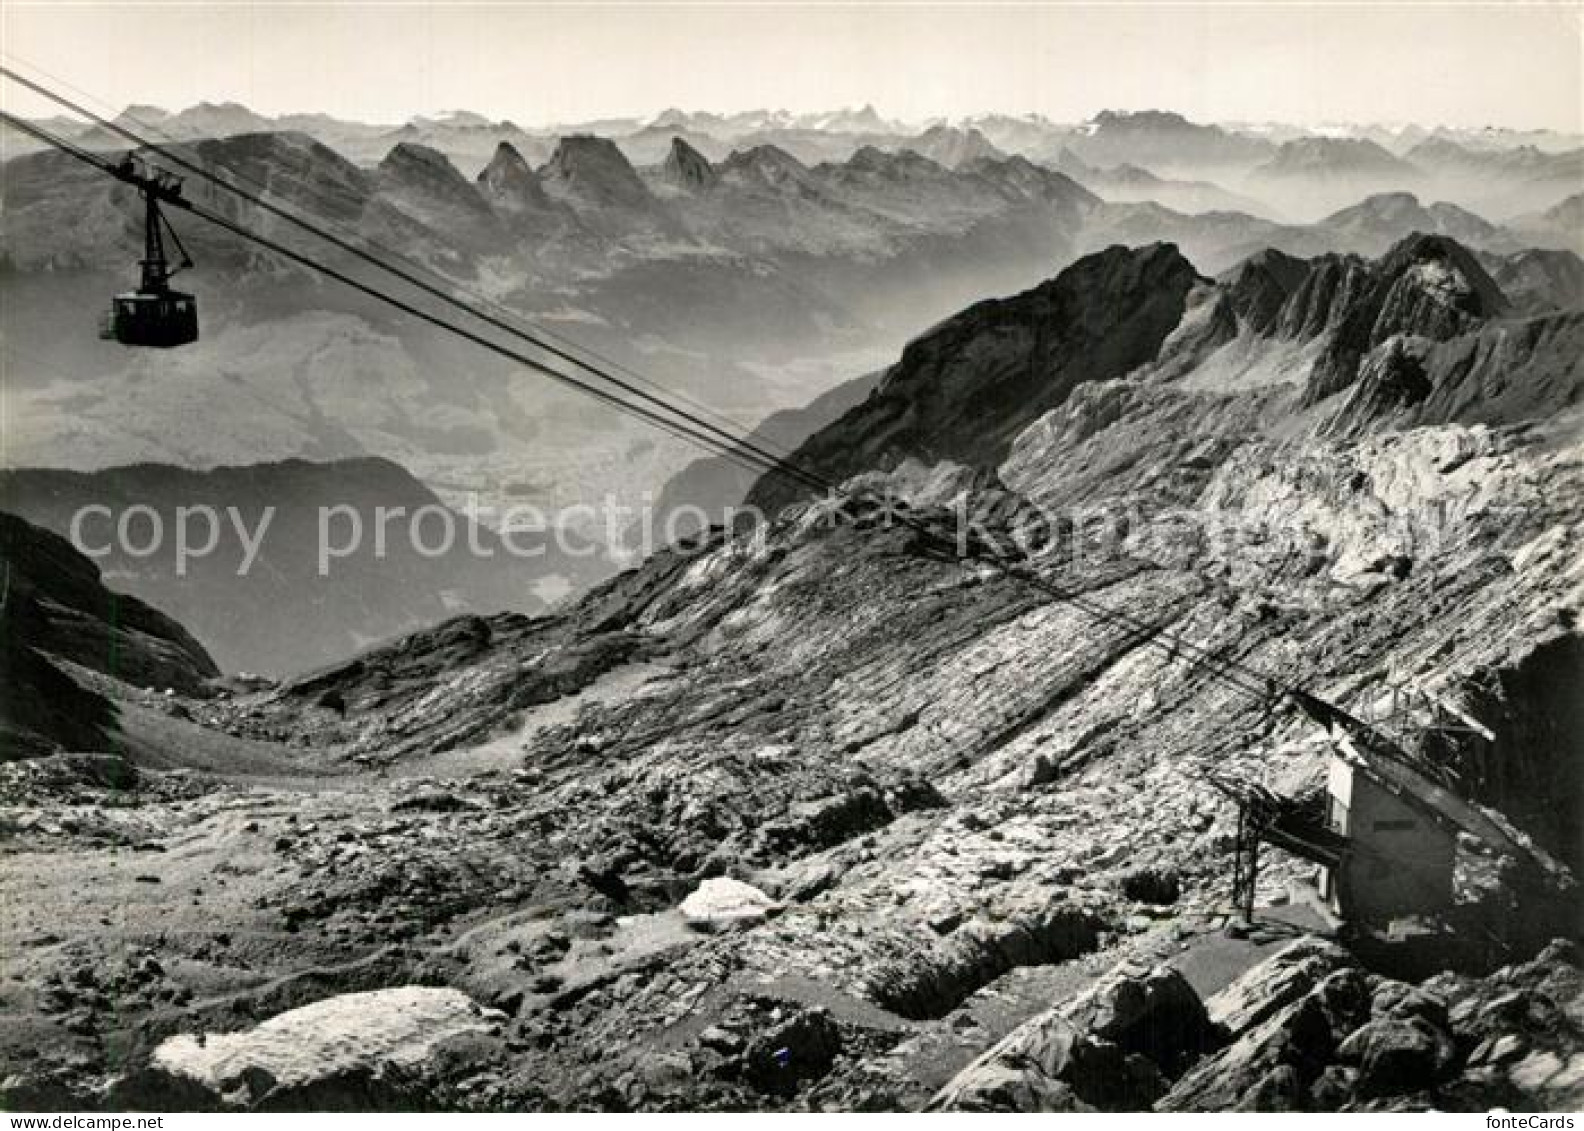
(1099, 319)
(704, 492)
(1321, 325)
(1558, 226)
(56, 610)
(824, 817)
(1540, 280)
(286, 566)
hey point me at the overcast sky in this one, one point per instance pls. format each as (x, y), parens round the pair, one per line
(1464, 64)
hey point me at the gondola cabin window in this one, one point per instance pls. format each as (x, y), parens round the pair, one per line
(161, 320)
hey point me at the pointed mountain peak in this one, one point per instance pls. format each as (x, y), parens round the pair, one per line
(593, 170)
(410, 168)
(1426, 286)
(865, 119)
(968, 387)
(408, 156)
(768, 167)
(687, 168)
(507, 160)
(1259, 287)
(509, 181)
(1447, 273)
(953, 146)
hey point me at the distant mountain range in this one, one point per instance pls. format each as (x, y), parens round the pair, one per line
(1165, 143)
(750, 261)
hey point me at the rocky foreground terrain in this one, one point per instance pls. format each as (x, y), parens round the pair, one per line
(820, 816)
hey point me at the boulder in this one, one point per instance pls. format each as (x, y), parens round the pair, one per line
(1280, 1089)
(1001, 1087)
(1299, 1035)
(353, 1051)
(1397, 1055)
(1277, 982)
(1152, 1012)
(1111, 1048)
(722, 903)
(1023, 1072)
(1398, 999)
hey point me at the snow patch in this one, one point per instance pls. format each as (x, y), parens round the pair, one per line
(382, 1028)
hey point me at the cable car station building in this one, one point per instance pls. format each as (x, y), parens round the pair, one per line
(1387, 840)
(1398, 859)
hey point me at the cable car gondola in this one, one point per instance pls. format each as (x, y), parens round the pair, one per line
(154, 314)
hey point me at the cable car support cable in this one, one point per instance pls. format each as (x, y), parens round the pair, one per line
(523, 327)
(1240, 677)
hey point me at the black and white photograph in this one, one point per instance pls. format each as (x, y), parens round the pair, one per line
(739, 556)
